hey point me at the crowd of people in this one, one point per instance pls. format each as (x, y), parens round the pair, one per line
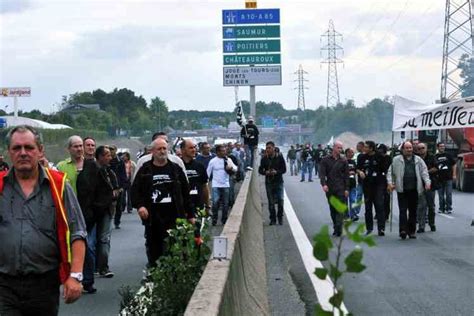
(368, 174)
(91, 189)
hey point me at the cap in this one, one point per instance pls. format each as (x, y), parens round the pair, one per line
(250, 118)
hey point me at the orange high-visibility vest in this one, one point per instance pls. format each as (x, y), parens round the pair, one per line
(57, 183)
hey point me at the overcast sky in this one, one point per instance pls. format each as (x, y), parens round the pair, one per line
(173, 49)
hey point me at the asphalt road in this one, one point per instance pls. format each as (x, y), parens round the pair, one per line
(432, 275)
(127, 261)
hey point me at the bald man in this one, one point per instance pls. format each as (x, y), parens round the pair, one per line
(72, 166)
(334, 178)
(160, 193)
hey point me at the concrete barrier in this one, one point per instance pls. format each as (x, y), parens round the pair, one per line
(237, 285)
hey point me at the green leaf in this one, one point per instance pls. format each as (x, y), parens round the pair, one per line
(339, 205)
(319, 311)
(354, 261)
(321, 273)
(334, 272)
(323, 236)
(336, 299)
(321, 251)
(369, 241)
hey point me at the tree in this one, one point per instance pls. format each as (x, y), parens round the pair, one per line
(466, 64)
(159, 111)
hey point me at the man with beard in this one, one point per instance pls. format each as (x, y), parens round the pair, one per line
(406, 175)
(197, 177)
(160, 193)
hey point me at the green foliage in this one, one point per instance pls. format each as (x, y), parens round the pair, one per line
(172, 282)
(353, 261)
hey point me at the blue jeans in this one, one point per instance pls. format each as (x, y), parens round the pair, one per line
(307, 168)
(293, 167)
(220, 196)
(89, 260)
(275, 195)
(104, 231)
(354, 207)
(445, 195)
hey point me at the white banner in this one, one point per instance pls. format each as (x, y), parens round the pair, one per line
(252, 76)
(409, 115)
(15, 92)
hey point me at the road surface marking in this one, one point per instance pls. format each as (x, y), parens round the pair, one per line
(447, 216)
(323, 288)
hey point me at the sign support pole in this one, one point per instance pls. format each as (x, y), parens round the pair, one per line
(253, 109)
(15, 106)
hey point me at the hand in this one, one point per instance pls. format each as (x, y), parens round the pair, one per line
(72, 290)
(362, 175)
(427, 187)
(325, 188)
(192, 220)
(390, 187)
(143, 213)
(346, 193)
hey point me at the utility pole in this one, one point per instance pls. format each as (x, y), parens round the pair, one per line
(301, 80)
(458, 40)
(331, 55)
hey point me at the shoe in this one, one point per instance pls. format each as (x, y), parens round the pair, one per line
(280, 221)
(302, 180)
(355, 218)
(106, 274)
(403, 235)
(412, 236)
(272, 222)
(381, 232)
(367, 233)
(249, 168)
(117, 226)
(433, 228)
(89, 289)
(310, 180)
(449, 211)
(441, 211)
(337, 234)
(214, 223)
(420, 230)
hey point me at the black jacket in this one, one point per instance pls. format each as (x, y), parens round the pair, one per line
(250, 134)
(86, 185)
(335, 174)
(277, 162)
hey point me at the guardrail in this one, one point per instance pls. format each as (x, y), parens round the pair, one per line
(237, 285)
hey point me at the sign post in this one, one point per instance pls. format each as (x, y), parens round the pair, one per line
(251, 45)
(15, 93)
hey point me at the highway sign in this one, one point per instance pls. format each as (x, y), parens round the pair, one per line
(254, 31)
(250, 16)
(254, 59)
(252, 76)
(15, 92)
(252, 46)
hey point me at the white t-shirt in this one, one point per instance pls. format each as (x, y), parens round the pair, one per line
(148, 157)
(220, 178)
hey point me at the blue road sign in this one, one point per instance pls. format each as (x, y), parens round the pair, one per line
(255, 16)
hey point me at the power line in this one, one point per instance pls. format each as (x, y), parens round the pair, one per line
(331, 51)
(301, 80)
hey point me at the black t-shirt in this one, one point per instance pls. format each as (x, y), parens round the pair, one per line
(445, 164)
(197, 177)
(352, 165)
(163, 207)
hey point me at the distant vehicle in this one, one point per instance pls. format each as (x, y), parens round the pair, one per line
(224, 141)
(464, 140)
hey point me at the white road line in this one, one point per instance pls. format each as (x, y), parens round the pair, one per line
(323, 288)
(444, 215)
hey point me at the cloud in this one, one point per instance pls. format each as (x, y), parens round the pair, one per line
(14, 6)
(130, 42)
